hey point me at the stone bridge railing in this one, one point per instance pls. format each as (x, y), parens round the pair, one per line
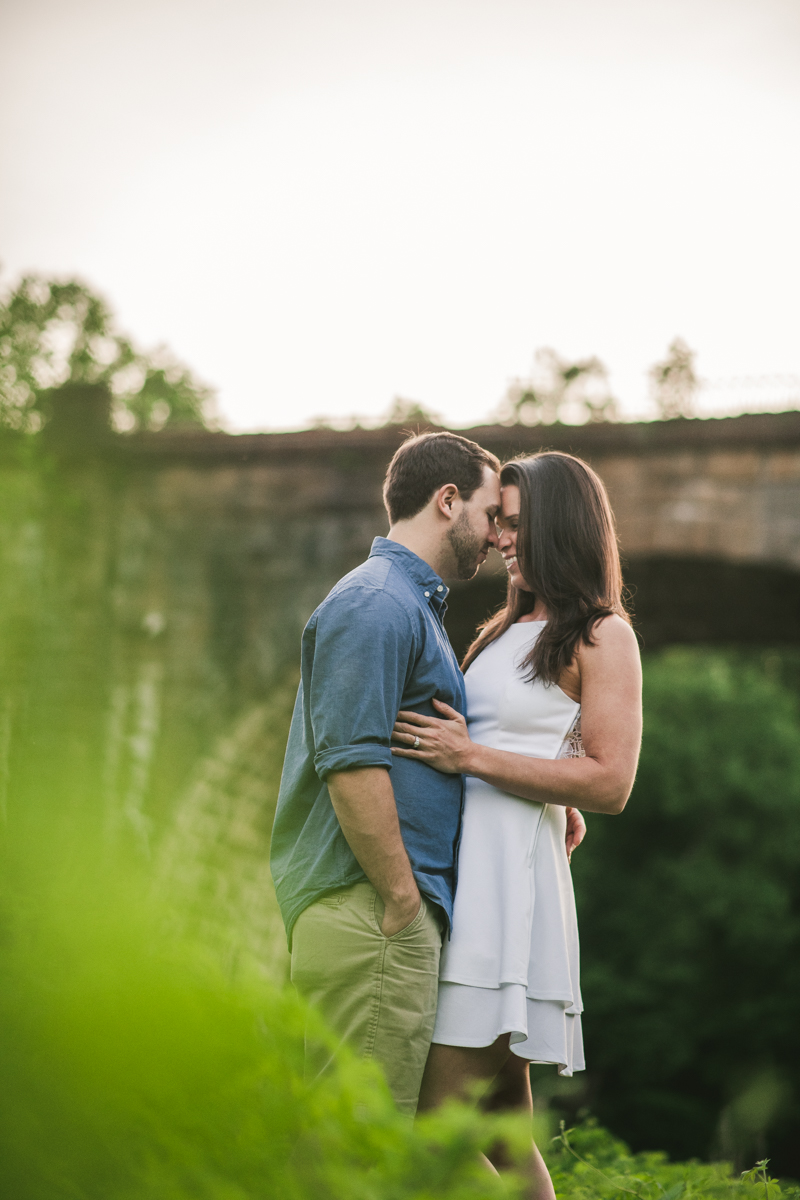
(708, 513)
(726, 488)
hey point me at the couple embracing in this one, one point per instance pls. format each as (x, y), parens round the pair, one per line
(426, 817)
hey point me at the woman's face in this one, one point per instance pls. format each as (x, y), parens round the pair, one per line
(507, 521)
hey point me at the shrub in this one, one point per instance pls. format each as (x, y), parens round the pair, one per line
(690, 918)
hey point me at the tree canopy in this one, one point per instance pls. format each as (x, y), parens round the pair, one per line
(690, 916)
(560, 390)
(55, 333)
(674, 382)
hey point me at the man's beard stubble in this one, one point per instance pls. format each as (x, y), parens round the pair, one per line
(466, 546)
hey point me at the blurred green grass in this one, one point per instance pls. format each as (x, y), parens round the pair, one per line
(136, 1064)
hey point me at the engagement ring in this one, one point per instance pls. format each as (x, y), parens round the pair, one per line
(416, 743)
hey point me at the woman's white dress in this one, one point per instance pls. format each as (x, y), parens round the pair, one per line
(512, 962)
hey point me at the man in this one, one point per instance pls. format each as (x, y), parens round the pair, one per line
(364, 860)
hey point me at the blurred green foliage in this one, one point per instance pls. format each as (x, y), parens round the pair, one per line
(132, 1066)
(689, 907)
(55, 333)
(135, 1065)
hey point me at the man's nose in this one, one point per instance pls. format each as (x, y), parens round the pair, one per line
(492, 539)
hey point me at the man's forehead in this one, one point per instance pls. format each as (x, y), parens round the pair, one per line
(491, 485)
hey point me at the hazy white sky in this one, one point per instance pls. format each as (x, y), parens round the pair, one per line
(321, 204)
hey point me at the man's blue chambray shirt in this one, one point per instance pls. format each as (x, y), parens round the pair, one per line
(375, 645)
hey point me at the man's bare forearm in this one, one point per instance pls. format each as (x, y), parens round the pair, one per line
(365, 807)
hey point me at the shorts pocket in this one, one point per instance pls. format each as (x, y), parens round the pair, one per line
(377, 917)
(418, 919)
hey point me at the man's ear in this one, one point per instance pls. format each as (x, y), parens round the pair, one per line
(445, 499)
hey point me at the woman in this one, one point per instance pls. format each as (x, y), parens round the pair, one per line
(553, 721)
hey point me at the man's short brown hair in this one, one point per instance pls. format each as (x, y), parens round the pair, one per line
(427, 462)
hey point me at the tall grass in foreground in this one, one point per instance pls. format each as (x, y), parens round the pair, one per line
(134, 1066)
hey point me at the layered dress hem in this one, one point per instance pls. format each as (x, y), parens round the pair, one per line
(542, 1031)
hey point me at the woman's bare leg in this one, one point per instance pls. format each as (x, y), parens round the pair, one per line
(452, 1072)
(512, 1093)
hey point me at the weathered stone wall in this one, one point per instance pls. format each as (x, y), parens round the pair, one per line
(728, 488)
(738, 505)
(241, 537)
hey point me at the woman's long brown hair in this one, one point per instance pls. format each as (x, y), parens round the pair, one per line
(567, 554)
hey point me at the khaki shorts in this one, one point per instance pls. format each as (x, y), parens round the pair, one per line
(377, 994)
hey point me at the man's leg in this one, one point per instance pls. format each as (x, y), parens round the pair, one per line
(377, 994)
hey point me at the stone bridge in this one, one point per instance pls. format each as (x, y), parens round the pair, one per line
(254, 529)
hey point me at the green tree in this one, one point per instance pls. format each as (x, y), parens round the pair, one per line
(59, 333)
(674, 382)
(560, 390)
(411, 412)
(690, 919)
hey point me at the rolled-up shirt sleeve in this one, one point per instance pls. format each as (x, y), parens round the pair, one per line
(361, 653)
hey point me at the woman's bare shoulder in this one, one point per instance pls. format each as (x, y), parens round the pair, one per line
(612, 635)
(612, 666)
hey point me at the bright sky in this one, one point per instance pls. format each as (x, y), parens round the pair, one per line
(323, 204)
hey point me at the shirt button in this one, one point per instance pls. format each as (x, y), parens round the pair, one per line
(440, 588)
(427, 595)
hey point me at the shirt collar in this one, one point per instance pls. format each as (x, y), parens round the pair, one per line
(429, 583)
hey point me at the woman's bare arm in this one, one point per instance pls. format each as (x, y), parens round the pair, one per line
(611, 729)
